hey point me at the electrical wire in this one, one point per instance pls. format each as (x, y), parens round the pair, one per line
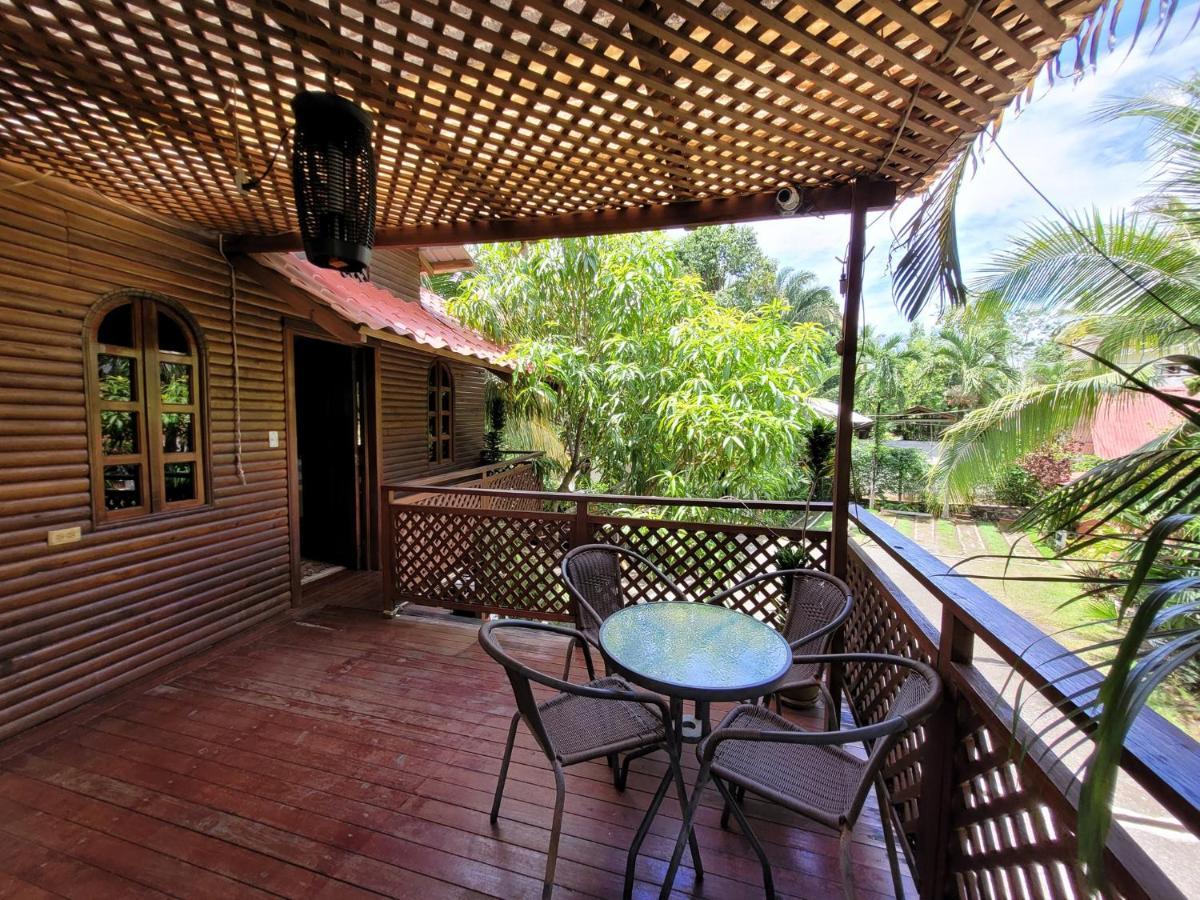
(1083, 235)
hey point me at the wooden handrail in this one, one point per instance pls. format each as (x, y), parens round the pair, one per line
(424, 483)
(415, 487)
(1160, 756)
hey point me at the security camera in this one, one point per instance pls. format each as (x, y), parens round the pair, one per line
(788, 200)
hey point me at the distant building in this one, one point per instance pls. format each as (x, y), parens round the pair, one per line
(828, 409)
(1126, 421)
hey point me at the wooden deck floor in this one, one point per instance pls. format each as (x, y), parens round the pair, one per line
(344, 754)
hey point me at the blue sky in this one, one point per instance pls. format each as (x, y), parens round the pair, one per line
(1076, 162)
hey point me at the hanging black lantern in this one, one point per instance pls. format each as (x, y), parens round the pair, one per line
(333, 176)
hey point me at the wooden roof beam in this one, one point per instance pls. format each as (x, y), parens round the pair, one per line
(717, 211)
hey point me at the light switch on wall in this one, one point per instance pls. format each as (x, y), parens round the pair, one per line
(272, 438)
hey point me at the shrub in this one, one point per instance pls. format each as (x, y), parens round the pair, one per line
(1015, 486)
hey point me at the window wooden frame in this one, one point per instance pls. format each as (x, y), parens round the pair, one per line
(147, 403)
(439, 412)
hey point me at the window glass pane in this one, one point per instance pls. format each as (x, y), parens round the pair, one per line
(122, 487)
(175, 382)
(177, 433)
(445, 450)
(445, 401)
(116, 377)
(180, 481)
(117, 327)
(432, 449)
(171, 335)
(118, 432)
(432, 401)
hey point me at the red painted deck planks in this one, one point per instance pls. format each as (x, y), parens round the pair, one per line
(346, 755)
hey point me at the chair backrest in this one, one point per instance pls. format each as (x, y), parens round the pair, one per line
(520, 675)
(818, 605)
(598, 578)
(913, 702)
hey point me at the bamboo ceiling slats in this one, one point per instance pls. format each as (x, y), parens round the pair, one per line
(507, 109)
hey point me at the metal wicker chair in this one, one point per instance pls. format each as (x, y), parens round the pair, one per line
(818, 606)
(810, 772)
(600, 719)
(597, 582)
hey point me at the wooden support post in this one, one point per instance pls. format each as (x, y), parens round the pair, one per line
(839, 538)
(956, 645)
(848, 347)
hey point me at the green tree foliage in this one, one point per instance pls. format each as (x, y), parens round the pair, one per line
(723, 256)
(650, 384)
(733, 268)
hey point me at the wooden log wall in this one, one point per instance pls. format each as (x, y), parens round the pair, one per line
(398, 271)
(405, 451)
(82, 618)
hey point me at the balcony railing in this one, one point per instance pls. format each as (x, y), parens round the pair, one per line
(987, 809)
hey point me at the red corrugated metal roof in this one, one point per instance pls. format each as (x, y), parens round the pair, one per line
(1126, 421)
(363, 303)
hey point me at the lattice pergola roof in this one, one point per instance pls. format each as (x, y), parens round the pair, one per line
(510, 108)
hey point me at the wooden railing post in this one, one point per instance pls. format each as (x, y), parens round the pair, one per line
(956, 645)
(387, 557)
(580, 532)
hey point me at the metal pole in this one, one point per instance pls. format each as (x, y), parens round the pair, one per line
(848, 348)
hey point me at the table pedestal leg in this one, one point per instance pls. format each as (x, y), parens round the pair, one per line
(674, 773)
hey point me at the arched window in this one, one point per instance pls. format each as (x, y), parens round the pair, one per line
(145, 410)
(441, 413)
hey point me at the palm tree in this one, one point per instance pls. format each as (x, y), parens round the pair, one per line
(974, 358)
(880, 363)
(807, 301)
(1130, 287)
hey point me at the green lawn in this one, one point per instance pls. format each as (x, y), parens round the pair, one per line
(1028, 587)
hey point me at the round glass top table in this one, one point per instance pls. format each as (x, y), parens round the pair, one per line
(690, 651)
(695, 651)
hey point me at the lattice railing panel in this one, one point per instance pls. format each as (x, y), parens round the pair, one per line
(1006, 839)
(706, 559)
(1009, 829)
(482, 561)
(878, 625)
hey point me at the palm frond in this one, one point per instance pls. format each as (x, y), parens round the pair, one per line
(987, 439)
(1163, 478)
(927, 246)
(1143, 269)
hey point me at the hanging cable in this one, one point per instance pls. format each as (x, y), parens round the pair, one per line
(912, 99)
(237, 382)
(1087, 238)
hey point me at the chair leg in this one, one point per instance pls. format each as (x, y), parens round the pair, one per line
(685, 833)
(731, 802)
(643, 828)
(508, 748)
(621, 774)
(560, 788)
(739, 794)
(566, 676)
(833, 717)
(844, 844)
(889, 836)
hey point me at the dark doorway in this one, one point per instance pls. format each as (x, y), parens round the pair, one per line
(332, 436)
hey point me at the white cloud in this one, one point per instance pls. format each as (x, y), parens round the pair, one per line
(1076, 161)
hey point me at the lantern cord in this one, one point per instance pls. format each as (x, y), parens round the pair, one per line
(237, 384)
